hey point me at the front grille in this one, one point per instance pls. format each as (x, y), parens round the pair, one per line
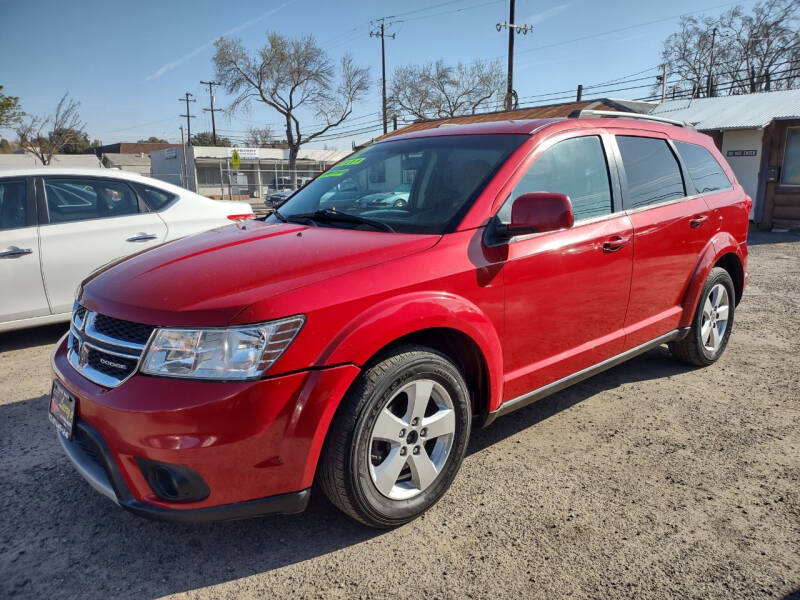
(103, 349)
(123, 330)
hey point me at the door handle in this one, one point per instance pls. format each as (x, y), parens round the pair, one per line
(698, 221)
(142, 237)
(615, 243)
(14, 251)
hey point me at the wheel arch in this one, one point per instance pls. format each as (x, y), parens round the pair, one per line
(721, 250)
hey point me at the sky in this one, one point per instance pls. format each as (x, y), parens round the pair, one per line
(128, 63)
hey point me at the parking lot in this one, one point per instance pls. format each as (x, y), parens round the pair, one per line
(653, 480)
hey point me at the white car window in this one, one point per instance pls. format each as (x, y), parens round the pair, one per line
(80, 199)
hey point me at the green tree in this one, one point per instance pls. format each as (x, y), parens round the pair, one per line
(5, 146)
(10, 112)
(78, 141)
(153, 140)
(205, 138)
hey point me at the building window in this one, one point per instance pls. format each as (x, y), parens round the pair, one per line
(790, 173)
(208, 175)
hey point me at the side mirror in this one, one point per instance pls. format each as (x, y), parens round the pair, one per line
(538, 212)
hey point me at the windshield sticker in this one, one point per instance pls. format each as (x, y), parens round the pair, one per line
(337, 173)
(350, 161)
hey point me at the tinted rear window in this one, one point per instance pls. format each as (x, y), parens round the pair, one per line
(705, 171)
(652, 171)
(13, 204)
(156, 199)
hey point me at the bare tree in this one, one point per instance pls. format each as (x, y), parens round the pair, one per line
(290, 76)
(438, 90)
(739, 52)
(46, 136)
(259, 137)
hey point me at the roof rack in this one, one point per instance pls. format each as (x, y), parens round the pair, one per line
(588, 113)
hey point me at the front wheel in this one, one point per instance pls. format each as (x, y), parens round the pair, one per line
(399, 438)
(712, 324)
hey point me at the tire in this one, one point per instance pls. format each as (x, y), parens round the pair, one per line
(697, 348)
(361, 450)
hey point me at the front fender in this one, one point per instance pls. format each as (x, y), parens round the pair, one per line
(719, 245)
(400, 316)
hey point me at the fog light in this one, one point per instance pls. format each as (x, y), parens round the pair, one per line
(175, 483)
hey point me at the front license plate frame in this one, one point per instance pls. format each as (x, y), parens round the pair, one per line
(62, 409)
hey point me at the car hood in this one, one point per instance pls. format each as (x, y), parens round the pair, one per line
(209, 278)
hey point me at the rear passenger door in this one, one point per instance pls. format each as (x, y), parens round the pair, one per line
(91, 222)
(21, 290)
(671, 226)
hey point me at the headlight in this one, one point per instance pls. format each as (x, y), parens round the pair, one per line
(242, 352)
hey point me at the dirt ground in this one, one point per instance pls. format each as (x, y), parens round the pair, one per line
(652, 480)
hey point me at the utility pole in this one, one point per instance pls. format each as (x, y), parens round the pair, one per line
(663, 82)
(212, 110)
(189, 116)
(381, 33)
(511, 26)
(183, 149)
(579, 95)
(710, 85)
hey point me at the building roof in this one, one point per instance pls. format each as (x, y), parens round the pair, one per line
(130, 148)
(59, 160)
(747, 111)
(279, 154)
(535, 112)
(128, 160)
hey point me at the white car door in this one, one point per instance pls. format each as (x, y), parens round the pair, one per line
(22, 293)
(92, 221)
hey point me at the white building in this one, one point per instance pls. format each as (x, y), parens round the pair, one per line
(210, 171)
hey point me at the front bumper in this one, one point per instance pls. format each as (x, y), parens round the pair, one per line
(93, 461)
(255, 444)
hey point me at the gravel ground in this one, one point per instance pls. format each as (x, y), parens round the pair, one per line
(652, 480)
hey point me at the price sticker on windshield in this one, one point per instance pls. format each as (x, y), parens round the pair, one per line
(336, 173)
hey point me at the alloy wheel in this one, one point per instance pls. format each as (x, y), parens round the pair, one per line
(716, 309)
(411, 439)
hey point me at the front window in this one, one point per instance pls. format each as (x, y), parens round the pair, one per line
(422, 185)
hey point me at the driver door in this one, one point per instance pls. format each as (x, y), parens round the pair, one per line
(566, 292)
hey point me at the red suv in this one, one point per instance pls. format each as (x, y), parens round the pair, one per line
(221, 375)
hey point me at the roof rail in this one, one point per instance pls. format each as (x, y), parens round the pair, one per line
(588, 113)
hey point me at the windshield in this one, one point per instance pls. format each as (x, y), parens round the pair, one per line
(422, 185)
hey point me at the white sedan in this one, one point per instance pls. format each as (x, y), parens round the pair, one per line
(58, 225)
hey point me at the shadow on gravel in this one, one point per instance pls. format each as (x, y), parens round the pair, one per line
(755, 237)
(47, 335)
(59, 538)
(654, 364)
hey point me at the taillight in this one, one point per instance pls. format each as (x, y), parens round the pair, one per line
(241, 217)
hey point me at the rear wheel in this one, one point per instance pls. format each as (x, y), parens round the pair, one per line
(712, 324)
(398, 440)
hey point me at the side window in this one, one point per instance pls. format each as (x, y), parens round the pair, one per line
(76, 199)
(652, 171)
(575, 167)
(13, 204)
(790, 173)
(156, 199)
(705, 171)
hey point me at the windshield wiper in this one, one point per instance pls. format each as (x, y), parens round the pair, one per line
(278, 214)
(332, 216)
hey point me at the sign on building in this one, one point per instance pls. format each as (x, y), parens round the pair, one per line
(235, 159)
(244, 153)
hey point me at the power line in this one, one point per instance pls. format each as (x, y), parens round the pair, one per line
(511, 26)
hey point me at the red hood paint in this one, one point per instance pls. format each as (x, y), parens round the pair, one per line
(209, 278)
